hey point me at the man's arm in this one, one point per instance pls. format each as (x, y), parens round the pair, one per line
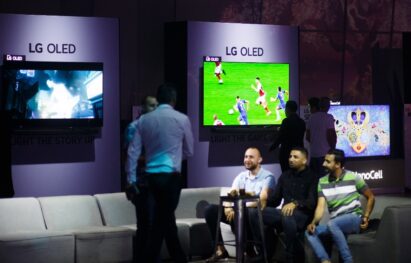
(331, 138)
(368, 209)
(318, 214)
(308, 135)
(133, 153)
(188, 143)
(281, 135)
(311, 199)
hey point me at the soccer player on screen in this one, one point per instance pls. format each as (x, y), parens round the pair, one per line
(261, 95)
(242, 107)
(281, 104)
(217, 121)
(218, 70)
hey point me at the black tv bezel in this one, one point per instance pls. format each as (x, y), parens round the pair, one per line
(373, 157)
(52, 124)
(238, 127)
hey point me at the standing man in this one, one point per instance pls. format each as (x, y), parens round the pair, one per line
(291, 134)
(141, 200)
(297, 187)
(340, 190)
(281, 101)
(256, 181)
(320, 133)
(167, 138)
(242, 107)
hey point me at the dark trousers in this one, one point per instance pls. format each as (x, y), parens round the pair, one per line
(143, 203)
(211, 217)
(283, 156)
(292, 226)
(165, 189)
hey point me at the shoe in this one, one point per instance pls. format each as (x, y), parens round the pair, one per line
(218, 257)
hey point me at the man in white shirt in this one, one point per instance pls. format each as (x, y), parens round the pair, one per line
(167, 138)
(320, 133)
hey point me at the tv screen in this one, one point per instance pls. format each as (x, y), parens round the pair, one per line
(53, 94)
(362, 130)
(244, 93)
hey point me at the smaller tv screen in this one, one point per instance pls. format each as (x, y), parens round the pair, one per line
(244, 93)
(362, 130)
(53, 93)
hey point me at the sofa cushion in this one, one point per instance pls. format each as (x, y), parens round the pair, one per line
(115, 209)
(20, 214)
(194, 200)
(70, 212)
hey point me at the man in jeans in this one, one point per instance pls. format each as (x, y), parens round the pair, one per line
(340, 190)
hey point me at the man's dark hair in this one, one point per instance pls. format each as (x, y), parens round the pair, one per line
(166, 94)
(279, 88)
(324, 104)
(339, 156)
(314, 102)
(301, 150)
(291, 106)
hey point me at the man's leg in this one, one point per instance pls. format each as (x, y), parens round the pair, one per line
(211, 217)
(271, 219)
(339, 227)
(316, 244)
(292, 225)
(166, 189)
(143, 224)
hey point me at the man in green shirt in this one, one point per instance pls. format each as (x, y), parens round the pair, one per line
(340, 190)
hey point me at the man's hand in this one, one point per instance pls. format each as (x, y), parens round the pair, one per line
(288, 209)
(364, 222)
(132, 191)
(311, 228)
(229, 213)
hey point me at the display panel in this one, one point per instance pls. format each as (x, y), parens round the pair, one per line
(53, 94)
(244, 93)
(362, 130)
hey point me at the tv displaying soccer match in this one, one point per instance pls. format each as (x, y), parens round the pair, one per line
(60, 91)
(362, 130)
(244, 93)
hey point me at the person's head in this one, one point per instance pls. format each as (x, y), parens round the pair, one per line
(324, 104)
(298, 158)
(149, 104)
(252, 159)
(167, 94)
(257, 79)
(279, 89)
(334, 161)
(314, 104)
(215, 117)
(237, 98)
(290, 107)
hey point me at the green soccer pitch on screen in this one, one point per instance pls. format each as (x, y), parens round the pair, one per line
(244, 93)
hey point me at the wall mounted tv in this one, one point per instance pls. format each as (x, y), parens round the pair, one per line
(243, 93)
(362, 130)
(53, 94)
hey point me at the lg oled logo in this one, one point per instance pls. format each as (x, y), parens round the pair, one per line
(372, 175)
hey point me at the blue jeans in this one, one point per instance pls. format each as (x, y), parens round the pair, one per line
(338, 228)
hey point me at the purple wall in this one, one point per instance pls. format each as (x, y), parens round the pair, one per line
(67, 164)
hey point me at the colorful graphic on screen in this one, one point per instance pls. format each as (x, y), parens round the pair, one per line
(362, 130)
(244, 93)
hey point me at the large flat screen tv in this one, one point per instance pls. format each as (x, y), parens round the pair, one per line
(53, 94)
(362, 130)
(243, 93)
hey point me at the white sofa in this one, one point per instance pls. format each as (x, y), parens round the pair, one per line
(100, 228)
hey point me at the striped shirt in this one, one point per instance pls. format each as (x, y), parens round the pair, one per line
(342, 194)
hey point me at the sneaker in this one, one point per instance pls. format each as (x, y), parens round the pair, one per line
(218, 256)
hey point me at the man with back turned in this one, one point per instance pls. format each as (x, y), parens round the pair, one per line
(167, 138)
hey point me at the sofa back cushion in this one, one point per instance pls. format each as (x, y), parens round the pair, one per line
(194, 200)
(20, 214)
(70, 212)
(115, 209)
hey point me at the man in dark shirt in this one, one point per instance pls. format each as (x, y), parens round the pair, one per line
(297, 187)
(291, 134)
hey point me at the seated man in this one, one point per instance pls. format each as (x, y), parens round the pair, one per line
(297, 187)
(340, 190)
(256, 181)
